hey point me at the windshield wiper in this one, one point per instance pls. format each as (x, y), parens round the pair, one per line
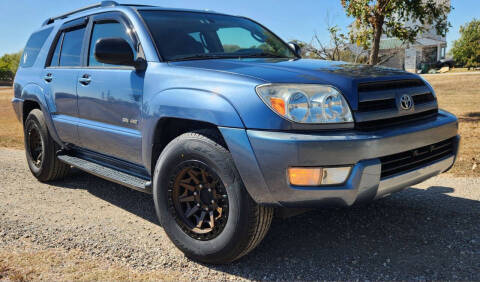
(206, 56)
(264, 55)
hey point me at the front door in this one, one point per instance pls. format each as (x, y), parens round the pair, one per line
(110, 96)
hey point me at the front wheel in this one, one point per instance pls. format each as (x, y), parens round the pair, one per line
(202, 203)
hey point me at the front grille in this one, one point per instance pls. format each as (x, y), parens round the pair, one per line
(387, 85)
(378, 107)
(413, 159)
(385, 104)
(389, 122)
(423, 98)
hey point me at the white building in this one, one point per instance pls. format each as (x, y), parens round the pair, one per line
(427, 48)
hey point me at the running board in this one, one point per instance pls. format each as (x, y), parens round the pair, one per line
(108, 173)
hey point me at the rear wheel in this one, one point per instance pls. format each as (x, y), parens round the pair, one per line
(202, 203)
(41, 150)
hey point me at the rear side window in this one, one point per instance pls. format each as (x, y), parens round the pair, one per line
(34, 45)
(56, 54)
(71, 50)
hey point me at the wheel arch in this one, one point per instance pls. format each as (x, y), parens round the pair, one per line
(168, 128)
(28, 106)
(172, 112)
(33, 97)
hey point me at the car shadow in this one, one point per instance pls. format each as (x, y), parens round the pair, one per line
(415, 234)
(470, 117)
(135, 202)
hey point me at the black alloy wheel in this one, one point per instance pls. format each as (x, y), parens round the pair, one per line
(199, 200)
(35, 146)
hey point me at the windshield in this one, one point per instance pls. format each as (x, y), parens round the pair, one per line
(182, 35)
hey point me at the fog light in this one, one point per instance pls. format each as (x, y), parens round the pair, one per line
(317, 176)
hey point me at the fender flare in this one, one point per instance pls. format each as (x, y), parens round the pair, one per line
(33, 92)
(184, 103)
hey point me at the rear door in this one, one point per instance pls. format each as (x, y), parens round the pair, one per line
(60, 77)
(110, 96)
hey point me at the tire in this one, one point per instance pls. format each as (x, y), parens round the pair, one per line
(242, 224)
(45, 167)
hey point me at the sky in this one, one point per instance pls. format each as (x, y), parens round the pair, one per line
(289, 19)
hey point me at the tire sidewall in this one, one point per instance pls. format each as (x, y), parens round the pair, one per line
(36, 119)
(220, 161)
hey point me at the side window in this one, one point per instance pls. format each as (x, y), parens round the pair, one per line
(56, 54)
(70, 55)
(237, 38)
(34, 45)
(198, 37)
(107, 30)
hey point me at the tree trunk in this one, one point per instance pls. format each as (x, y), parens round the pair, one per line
(377, 33)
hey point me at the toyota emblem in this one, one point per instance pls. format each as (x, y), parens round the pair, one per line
(406, 102)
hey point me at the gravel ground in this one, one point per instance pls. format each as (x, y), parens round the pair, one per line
(430, 231)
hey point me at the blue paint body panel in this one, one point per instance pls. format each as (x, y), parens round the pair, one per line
(110, 112)
(118, 112)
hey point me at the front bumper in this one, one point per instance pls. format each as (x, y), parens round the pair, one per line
(17, 107)
(263, 157)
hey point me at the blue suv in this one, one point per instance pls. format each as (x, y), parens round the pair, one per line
(221, 120)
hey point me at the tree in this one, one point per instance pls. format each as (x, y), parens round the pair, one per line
(466, 50)
(337, 49)
(403, 19)
(9, 65)
(332, 51)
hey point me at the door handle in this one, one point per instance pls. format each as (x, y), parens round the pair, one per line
(48, 77)
(85, 79)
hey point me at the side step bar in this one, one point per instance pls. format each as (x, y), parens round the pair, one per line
(108, 173)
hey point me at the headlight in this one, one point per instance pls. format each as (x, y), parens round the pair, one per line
(306, 103)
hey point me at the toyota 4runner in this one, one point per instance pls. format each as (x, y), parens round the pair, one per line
(221, 120)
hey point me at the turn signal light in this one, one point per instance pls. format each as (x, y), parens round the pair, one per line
(278, 105)
(318, 176)
(305, 176)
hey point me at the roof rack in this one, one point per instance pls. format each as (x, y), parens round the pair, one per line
(98, 5)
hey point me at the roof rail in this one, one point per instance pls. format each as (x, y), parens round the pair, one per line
(101, 4)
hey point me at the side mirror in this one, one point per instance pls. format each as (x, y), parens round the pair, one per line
(296, 48)
(117, 51)
(140, 64)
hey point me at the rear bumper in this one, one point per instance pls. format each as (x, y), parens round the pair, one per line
(263, 158)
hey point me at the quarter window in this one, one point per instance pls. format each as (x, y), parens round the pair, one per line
(34, 45)
(107, 30)
(71, 50)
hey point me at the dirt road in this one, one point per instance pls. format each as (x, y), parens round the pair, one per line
(430, 231)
